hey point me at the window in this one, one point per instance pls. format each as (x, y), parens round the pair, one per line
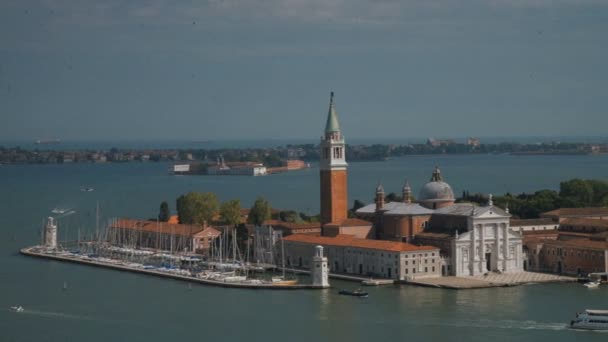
(433, 269)
(413, 270)
(426, 269)
(406, 271)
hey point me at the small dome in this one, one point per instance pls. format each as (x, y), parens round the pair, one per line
(436, 191)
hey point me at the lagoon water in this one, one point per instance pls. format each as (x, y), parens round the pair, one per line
(107, 305)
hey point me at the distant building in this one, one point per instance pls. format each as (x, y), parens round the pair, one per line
(162, 235)
(236, 169)
(522, 225)
(561, 214)
(437, 143)
(290, 228)
(473, 142)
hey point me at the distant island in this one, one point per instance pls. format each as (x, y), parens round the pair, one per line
(278, 156)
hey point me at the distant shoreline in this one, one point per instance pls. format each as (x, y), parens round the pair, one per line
(278, 156)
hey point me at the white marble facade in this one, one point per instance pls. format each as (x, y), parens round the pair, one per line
(488, 245)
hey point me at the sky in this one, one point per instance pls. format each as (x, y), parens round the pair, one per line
(260, 69)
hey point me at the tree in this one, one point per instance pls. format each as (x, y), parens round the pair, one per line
(357, 205)
(576, 192)
(230, 212)
(289, 216)
(392, 197)
(164, 215)
(260, 212)
(196, 207)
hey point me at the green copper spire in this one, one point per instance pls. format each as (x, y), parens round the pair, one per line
(332, 118)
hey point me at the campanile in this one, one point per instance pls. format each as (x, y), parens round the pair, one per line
(334, 198)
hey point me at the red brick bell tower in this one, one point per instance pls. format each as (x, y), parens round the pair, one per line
(334, 197)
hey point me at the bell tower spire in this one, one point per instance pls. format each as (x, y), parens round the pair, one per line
(333, 166)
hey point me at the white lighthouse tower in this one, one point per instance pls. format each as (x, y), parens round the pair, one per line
(320, 273)
(50, 233)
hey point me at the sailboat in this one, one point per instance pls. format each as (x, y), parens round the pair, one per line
(281, 280)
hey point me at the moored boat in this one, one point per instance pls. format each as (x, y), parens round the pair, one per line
(354, 293)
(592, 284)
(591, 320)
(370, 282)
(17, 308)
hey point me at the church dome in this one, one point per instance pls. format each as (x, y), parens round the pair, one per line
(436, 193)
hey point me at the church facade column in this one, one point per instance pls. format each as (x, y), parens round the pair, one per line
(472, 253)
(482, 249)
(505, 233)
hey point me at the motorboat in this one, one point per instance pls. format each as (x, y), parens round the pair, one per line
(354, 293)
(592, 284)
(17, 308)
(591, 320)
(370, 282)
(283, 281)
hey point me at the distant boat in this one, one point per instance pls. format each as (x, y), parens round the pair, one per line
(355, 293)
(65, 286)
(60, 210)
(17, 308)
(86, 189)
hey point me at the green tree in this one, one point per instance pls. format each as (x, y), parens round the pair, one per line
(196, 207)
(260, 212)
(289, 216)
(230, 212)
(600, 192)
(164, 215)
(576, 193)
(357, 205)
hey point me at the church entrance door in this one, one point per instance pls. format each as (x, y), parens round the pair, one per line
(489, 262)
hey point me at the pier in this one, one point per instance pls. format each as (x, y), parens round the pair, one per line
(38, 251)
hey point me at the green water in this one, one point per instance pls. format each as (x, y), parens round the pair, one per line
(107, 305)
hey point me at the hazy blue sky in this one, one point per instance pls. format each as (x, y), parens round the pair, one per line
(226, 69)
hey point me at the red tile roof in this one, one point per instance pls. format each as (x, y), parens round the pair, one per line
(579, 243)
(585, 222)
(209, 231)
(564, 212)
(354, 222)
(532, 222)
(291, 225)
(157, 227)
(352, 241)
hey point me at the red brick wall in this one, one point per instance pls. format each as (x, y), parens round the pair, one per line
(334, 197)
(572, 259)
(400, 227)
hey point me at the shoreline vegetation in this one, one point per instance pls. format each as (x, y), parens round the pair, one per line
(205, 208)
(277, 156)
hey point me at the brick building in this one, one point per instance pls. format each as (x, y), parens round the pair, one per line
(578, 247)
(364, 257)
(162, 235)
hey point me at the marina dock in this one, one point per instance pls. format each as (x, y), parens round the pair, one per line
(31, 251)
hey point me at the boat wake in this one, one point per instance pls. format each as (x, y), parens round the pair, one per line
(501, 324)
(51, 314)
